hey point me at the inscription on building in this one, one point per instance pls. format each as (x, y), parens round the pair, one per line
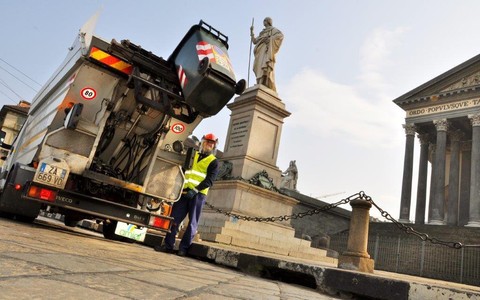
(443, 108)
(238, 133)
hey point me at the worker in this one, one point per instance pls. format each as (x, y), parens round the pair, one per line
(197, 182)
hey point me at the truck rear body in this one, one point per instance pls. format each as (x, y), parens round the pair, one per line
(105, 137)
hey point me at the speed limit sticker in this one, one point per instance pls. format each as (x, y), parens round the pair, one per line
(178, 128)
(88, 93)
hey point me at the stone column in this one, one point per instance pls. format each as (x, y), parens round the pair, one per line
(474, 217)
(406, 197)
(438, 205)
(464, 207)
(422, 180)
(454, 178)
(431, 149)
(356, 257)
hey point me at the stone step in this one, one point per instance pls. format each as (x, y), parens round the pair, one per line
(251, 241)
(271, 247)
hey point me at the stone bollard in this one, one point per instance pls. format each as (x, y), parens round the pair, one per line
(356, 257)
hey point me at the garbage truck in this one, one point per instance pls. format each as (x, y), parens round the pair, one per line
(108, 136)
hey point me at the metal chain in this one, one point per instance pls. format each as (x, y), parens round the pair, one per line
(358, 196)
(286, 217)
(410, 230)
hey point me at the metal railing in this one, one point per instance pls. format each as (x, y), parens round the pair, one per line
(420, 258)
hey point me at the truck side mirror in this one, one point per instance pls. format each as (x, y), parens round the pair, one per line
(73, 116)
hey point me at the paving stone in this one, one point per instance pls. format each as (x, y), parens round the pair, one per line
(44, 288)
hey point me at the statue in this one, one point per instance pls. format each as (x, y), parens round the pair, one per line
(290, 177)
(267, 44)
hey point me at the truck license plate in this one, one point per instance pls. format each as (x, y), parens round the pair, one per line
(51, 175)
(131, 231)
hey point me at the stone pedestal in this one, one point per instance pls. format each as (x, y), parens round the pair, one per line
(254, 133)
(251, 147)
(241, 198)
(356, 257)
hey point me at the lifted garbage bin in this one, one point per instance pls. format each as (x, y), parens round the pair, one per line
(204, 69)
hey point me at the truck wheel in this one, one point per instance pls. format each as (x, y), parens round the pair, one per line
(11, 201)
(25, 219)
(70, 221)
(203, 65)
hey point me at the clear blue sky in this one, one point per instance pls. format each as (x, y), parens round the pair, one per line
(340, 66)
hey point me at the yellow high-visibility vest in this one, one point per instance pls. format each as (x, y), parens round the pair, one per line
(198, 172)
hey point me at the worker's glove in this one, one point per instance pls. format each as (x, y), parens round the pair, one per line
(191, 193)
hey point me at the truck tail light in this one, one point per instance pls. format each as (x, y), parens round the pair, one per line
(42, 193)
(159, 222)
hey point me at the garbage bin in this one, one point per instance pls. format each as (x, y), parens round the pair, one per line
(204, 69)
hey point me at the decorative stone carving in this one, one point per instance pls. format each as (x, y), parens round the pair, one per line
(456, 135)
(471, 80)
(475, 119)
(424, 138)
(225, 171)
(262, 179)
(409, 129)
(441, 125)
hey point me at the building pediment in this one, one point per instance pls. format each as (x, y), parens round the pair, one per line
(462, 81)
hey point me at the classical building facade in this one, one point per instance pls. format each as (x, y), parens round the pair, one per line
(444, 113)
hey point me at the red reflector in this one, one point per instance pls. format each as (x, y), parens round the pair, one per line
(159, 222)
(17, 187)
(42, 193)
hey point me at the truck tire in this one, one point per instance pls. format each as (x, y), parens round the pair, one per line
(25, 219)
(70, 221)
(11, 203)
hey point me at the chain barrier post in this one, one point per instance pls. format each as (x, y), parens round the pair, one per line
(356, 257)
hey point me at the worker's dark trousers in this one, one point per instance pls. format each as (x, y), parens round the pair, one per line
(184, 206)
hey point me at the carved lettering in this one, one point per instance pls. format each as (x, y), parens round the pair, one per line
(442, 108)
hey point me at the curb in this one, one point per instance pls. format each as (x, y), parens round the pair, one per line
(332, 281)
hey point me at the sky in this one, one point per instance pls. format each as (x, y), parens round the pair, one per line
(340, 66)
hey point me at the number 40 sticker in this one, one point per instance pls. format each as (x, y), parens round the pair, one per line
(88, 93)
(178, 128)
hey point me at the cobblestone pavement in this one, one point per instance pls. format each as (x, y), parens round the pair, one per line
(47, 260)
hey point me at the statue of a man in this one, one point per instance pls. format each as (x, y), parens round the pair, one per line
(267, 44)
